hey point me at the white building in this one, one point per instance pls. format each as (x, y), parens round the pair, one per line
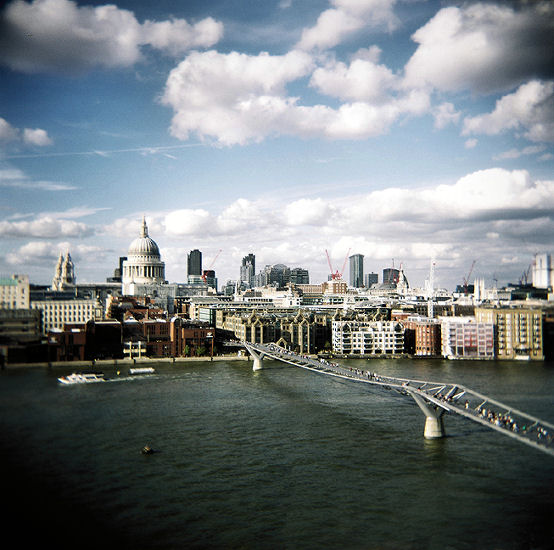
(368, 337)
(64, 276)
(14, 292)
(57, 312)
(542, 274)
(143, 268)
(465, 338)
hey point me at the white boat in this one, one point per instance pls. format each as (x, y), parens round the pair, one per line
(77, 378)
(141, 370)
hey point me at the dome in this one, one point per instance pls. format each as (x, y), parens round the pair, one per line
(144, 245)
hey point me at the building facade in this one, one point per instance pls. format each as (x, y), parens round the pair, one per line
(248, 270)
(14, 292)
(194, 263)
(356, 270)
(518, 331)
(465, 338)
(354, 337)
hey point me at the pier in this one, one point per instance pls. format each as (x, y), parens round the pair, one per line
(434, 399)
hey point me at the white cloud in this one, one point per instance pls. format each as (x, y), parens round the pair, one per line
(308, 212)
(345, 18)
(59, 35)
(445, 114)
(362, 80)
(483, 47)
(7, 131)
(516, 153)
(237, 98)
(36, 136)
(45, 227)
(47, 252)
(529, 108)
(188, 222)
(470, 143)
(28, 136)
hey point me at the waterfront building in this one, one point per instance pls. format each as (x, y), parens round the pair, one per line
(14, 292)
(248, 270)
(143, 269)
(422, 336)
(20, 326)
(466, 338)
(64, 275)
(194, 264)
(356, 337)
(357, 270)
(519, 331)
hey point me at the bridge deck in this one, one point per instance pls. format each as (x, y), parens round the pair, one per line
(452, 398)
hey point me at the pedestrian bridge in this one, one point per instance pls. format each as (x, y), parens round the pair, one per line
(433, 398)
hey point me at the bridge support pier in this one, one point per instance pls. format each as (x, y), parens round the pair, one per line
(434, 425)
(257, 358)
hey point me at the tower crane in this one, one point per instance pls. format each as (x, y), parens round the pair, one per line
(337, 275)
(205, 271)
(466, 279)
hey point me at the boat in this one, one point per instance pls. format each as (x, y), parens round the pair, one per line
(142, 370)
(77, 378)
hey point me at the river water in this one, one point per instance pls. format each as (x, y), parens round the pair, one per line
(280, 458)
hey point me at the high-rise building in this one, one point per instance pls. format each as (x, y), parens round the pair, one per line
(391, 275)
(542, 273)
(371, 279)
(357, 270)
(194, 263)
(248, 270)
(299, 276)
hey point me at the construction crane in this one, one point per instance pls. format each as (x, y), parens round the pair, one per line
(205, 271)
(337, 275)
(466, 279)
(524, 279)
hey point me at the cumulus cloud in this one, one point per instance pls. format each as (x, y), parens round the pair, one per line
(483, 47)
(444, 115)
(47, 252)
(530, 108)
(238, 98)
(345, 18)
(59, 35)
(308, 212)
(45, 227)
(28, 136)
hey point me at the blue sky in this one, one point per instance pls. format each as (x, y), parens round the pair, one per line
(403, 130)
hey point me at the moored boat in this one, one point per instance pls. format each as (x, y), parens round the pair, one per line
(86, 378)
(141, 370)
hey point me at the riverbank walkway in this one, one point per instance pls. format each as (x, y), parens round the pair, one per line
(433, 398)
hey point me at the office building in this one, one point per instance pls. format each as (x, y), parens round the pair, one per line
(371, 279)
(357, 270)
(299, 276)
(194, 263)
(355, 337)
(542, 274)
(466, 338)
(248, 270)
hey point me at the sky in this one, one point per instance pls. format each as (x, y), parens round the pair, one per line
(408, 131)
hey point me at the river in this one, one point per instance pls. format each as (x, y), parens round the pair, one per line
(280, 458)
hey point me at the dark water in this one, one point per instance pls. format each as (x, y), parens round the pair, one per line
(281, 458)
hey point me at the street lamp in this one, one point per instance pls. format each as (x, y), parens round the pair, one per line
(211, 337)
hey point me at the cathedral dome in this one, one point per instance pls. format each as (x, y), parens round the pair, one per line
(144, 245)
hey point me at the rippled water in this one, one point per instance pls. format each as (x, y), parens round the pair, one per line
(280, 458)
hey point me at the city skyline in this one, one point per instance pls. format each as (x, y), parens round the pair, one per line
(400, 130)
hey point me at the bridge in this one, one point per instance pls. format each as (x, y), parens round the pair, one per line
(433, 398)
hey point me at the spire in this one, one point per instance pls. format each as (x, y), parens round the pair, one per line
(144, 229)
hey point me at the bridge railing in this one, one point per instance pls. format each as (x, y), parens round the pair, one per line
(448, 397)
